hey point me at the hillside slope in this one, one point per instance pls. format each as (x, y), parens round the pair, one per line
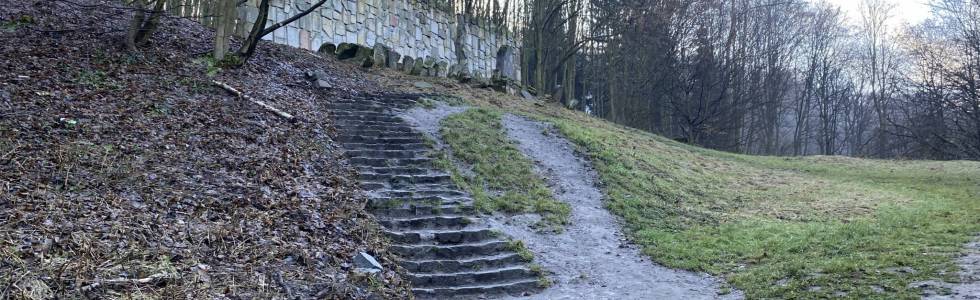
(132, 175)
(807, 227)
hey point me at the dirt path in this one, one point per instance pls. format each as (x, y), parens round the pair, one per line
(591, 258)
(969, 287)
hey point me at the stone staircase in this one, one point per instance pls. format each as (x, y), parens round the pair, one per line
(430, 221)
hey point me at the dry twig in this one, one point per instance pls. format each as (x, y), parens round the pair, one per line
(125, 281)
(253, 100)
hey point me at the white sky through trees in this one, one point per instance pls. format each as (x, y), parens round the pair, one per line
(906, 11)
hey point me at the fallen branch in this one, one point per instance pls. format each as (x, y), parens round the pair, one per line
(257, 102)
(124, 281)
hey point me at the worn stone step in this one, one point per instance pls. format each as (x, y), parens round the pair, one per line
(354, 123)
(422, 210)
(379, 140)
(357, 106)
(394, 170)
(461, 251)
(394, 162)
(443, 280)
(398, 180)
(364, 116)
(459, 265)
(386, 153)
(388, 201)
(424, 193)
(361, 109)
(372, 186)
(383, 100)
(376, 127)
(380, 134)
(518, 287)
(441, 237)
(367, 118)
(440, 222)
(389, 147)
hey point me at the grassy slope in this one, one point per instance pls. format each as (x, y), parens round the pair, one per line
(774, 227)
(787, 227)
(502, 179)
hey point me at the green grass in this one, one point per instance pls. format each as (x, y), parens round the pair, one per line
(13, 24)
(774, 227)
(501, 178)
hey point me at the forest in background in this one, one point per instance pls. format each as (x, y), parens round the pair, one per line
(772, 77)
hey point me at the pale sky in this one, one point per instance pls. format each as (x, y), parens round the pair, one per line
(910, 11)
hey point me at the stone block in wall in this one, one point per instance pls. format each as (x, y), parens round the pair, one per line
(506, 62)
(441, 69)
(292, 36)
(453, 70)
(418, 68)
(408, 63)
(393, 58)
(304, 39)
(380, 55)
(339, 29)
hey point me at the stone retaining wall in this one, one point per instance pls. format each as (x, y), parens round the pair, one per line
(405, 26)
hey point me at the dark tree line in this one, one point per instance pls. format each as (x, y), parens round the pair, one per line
(788, 77)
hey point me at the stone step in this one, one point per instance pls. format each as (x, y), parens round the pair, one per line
(379, 140)
(357, 106)
(518, 287)
(395, 170)
(372, 186)
(386, 153)
(397, 180)
(367, 118)
(380, 134)
(438, 222)
(459, 265)
(380, 201)
(353, 123)
(394, 162)
(422, 210)
(364, 113)
(491, 276)
(460, 251)
(441, 237)
(376, 127)
(423, 193)
(382, 100)
(387, 147)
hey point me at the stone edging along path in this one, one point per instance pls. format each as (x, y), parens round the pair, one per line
(590, 259)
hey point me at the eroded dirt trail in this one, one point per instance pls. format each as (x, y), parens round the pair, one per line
(969, 286)
(591, 259)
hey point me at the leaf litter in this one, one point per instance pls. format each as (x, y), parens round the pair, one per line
(130, 175)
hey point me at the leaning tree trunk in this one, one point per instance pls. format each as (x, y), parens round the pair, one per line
(142, 26)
